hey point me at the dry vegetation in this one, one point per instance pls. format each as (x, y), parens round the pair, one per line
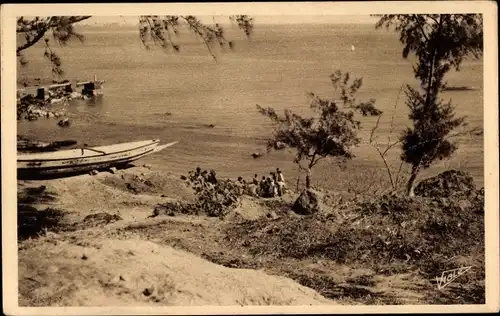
(381, 250)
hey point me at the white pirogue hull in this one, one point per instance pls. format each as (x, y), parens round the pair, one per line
(85, 159)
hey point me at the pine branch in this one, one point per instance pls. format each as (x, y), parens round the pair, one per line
(33, 40)
(195, 28)
(36, 29)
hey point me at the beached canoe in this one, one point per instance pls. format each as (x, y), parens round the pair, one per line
(85, 159)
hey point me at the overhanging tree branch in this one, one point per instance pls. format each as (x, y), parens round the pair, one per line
(195, 28)
(38, 36)
(35, 29)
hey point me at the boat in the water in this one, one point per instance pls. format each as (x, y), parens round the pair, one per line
(84, 159)
(459, 88)
(32, 146)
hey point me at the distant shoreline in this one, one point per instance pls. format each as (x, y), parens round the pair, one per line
(135, 26)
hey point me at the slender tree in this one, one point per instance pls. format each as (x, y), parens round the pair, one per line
(332, 132)
(440, 42)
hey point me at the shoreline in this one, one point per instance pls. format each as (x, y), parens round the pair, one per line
(230, 155)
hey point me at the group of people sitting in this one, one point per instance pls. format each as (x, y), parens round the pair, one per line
(205, 176)
(270, 186)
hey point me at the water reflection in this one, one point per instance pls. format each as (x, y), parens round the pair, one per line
(96, 101)
(94, 105)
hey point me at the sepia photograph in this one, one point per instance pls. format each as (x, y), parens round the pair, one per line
(316, 157)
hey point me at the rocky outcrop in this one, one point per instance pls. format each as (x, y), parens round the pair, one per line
(446, 184)
(171, 208)
(279, 145)
(307, 203)
(101, 218)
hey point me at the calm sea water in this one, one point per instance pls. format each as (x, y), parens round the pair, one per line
(276, 67)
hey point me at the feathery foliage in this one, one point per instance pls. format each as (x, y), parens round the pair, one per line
(332, 132)
(440, 42)
(162, 30)
(35, 29)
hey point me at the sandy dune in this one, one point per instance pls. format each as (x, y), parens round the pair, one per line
(104, 272)
(91, 268)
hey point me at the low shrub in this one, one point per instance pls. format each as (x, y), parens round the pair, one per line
(31, 221)
(421, 231)
(214, 197)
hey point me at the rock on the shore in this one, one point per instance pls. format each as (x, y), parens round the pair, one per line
(279, 145)
(76, 95)
(101, 218)
(53, 101)
(307, 203)
(446, 184)
(272, 215)
(256, 155)
(169, 208)
(64, 122)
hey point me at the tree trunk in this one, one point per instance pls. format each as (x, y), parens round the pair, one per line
(308, 178)
(309, 171)
(432, 68)
(411, 182)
